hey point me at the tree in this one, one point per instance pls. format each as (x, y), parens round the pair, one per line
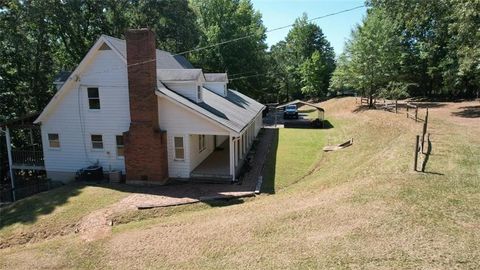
(295, 56)
(372, 57)
(224, 20)
(315, 76)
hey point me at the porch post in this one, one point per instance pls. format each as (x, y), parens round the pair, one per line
(232, 157)
(10, 161)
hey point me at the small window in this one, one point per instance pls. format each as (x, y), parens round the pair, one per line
(97, 141)
(199, 93)
(53, 140)
(93, 98)
(201, 143)
(179, 149)
(120, 145)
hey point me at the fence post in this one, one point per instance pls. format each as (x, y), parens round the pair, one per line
(416, 154)
(407, 110)
(396, 106)
(416, 113)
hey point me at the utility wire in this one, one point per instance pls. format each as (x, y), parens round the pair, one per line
(268, 31)
(240, 38)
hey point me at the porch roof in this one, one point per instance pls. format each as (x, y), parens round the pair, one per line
(235, 111)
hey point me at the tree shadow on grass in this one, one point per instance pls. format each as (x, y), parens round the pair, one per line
(468, 112)
(27, 211)
(361, 108)
(268, 185)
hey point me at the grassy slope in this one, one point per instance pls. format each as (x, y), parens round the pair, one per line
(362, 207)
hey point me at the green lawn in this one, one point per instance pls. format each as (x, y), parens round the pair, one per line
(362, 207)
(293, 156)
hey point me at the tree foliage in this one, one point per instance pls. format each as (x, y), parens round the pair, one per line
(305, 61)
(430, 45)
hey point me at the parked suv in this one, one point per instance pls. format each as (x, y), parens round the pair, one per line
(291, 111)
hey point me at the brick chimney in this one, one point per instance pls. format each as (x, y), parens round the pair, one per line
(145, 143)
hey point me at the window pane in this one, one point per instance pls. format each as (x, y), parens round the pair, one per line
(93, 92)
(120, 151)
(97, 138)
(53, 140)
(52, 136)
(178, 142)
(179, 153)
(119, 140)
(94, 103)
(97, 141)
(97, 145)
(55, 144)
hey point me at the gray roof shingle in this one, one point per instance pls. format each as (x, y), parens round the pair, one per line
(165, 60)
(179, 74)
(235, 111)
(216, 77)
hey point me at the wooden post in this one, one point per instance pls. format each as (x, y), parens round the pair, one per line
(416, 154)
(416, 113)
(10, 161)
(407, 110)
(396, 106)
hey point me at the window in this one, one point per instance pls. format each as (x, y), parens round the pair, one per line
(199, 93)
(53, 140)
(201, 143)
(97, 141)
(120, 145)
(225, 90)
(179, 149)
(93, 98)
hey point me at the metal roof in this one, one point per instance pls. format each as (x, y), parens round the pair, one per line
(216, 77)
(302, 102)
(235, 111)
(179, 74)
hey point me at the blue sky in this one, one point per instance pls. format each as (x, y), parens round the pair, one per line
(337, 28)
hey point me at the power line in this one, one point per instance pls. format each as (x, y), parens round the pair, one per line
(240, 38)
(268, 31)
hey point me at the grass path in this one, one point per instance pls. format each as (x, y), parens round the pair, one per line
(362, 208)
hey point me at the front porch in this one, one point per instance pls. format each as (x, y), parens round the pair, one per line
(216, 165)
(226, 156)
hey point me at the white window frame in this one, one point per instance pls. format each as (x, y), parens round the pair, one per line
(175, 148)
(120, 146)
(91, 142)
(202, 145)
(50, 141)
(94, 98)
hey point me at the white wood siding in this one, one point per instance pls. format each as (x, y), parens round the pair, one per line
(179, 121)
(197, 157)
(74, 121)
(258, 124)
(188, 90)
(216, 87)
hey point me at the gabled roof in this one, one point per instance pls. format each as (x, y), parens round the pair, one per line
(301, 102)
(165, 60)
(61, 76)
(179, 75)
(216, 77)
(234, 112)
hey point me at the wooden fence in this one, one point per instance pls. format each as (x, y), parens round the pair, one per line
(422, 145)
(25, 157)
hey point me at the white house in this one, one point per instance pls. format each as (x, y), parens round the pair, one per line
(147, 113)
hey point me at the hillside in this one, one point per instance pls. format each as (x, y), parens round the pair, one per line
(360, 207)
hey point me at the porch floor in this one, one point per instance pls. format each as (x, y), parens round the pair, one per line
(216, 165)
